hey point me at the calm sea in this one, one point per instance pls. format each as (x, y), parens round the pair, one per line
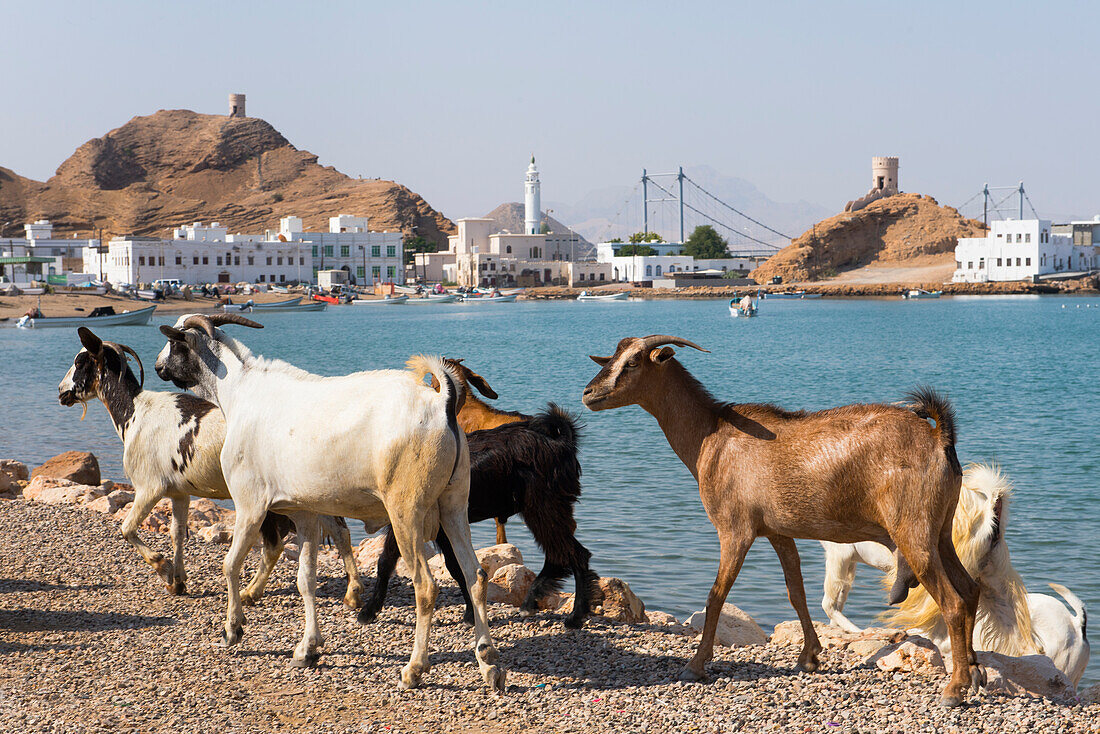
(1021, 371)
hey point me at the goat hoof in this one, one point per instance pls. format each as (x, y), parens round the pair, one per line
(691, 676)
(468, 618)
(309, 661)
(352, 601)
(950, 702)
(410, 677)
(177, 588)
(367, 614)
(978, 679)
(574, 622)
(247, 600)
(494, 677)
(809, 665)
(232, 638)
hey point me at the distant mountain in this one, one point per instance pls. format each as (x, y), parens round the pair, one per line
(174, 167)
(511, 217)
(617, 212)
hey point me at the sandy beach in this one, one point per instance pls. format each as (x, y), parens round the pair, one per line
(90, 641)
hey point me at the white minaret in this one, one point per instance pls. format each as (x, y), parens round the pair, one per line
(532, 210)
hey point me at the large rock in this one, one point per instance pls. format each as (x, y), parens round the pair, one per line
(218, 532)
(913, 655)
(864, 643)
(366, 555)
(496, 557)
(735, 627)
(1031, 675)
(619, 602)
(202, 513)
(1090, 695)
(510, 584)
(77, 466)
(53, 491)
(11, 474)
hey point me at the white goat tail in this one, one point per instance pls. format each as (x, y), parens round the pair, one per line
(1080, 613)
(423, 365)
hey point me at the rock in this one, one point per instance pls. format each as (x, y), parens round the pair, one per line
(555, 601)
(866, 648)
(735, 627)
(510, 584)
(668, 623)
(103, 504)
(11, 474)
(217, 532)
(366, 555)
(54, 491)
(1032, 675)
(864, 643)
(496, 557)
(77, 466)
(1090, 695)
(913, 655)
(160, 519)
(203, 513)
(120, 497)
(619, 602)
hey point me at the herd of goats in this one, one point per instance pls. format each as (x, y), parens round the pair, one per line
(417, 451)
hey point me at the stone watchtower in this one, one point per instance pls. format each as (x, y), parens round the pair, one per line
(884, 182)
(884, 174)
(236, 109)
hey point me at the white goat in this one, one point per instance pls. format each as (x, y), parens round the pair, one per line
(1009, 620)
(172, 445)
(379, 446)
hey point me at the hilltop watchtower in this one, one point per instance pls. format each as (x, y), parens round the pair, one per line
(236, 107)
(884, 174)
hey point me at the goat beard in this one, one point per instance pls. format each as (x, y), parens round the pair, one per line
(84, 407)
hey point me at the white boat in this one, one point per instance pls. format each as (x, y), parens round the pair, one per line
(916, 293)
(441, 298)
(792, 296)
(489, 299)
(252, 305)
(126, 318)
(279, 289)
(586, 296)
(737, 311)
(296, 308)
(387, 301)
(31, 291)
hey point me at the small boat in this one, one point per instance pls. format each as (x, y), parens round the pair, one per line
(276, 305)
(104, 316)
(737, 310)
(387, 301)
(916, 293)
(296, 308)
(441, 298)
(327, 299)
(586, 296)
(279, 289)
(31, 291)
(792, 296)
(469, 298)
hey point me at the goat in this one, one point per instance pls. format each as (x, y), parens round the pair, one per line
(859, 472)
(171, 447)
(1009, 620)
(477, 415)
(379, 446)
(527, 468)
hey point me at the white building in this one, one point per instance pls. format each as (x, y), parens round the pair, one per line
(636, 268)
(38, 243)
(368, 257)
(532, 200)
(1025, 248)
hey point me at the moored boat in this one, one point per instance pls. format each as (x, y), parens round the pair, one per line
(442, 298)
(295, 308)
(489, 299)
(743, 310)
(586, 296)
(327, 299)
(916, 293)
(792, 296)
(96, 318)
(387, 301)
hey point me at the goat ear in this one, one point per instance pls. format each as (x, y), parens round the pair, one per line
(482, 386)
(173, 334)
(601, 361)
(90, 341)
(663, 354)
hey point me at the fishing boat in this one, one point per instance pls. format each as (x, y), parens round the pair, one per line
(327, 299)
(103, 316)
(297, 308)
(470, 298)
(916, 293)
(586, 296)
(387, 301)
(279, 289)
(265, 306)
(737, 310)
(792, 296)
(441, 298)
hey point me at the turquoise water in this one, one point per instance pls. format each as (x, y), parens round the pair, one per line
(1021, 371)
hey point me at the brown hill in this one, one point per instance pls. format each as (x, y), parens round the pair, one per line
(898, 229)
(176, 166)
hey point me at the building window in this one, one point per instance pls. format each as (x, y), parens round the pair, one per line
(376, 272)
(194, 259)
(219, 259)
(998, 262)
(141, 259)
(391, 251)
(328, 250)
(1017, 236)
(345, 250)
(279, 260)
(1017, 262)
(262, 277)
(179, 259)
(282, 278)
(958, 265)
(390, 272)
(376, 251)
(658, 270)
(970, 265)
(301, 261)
(649, 270)
(315, 250)
(1027, 237)
(269, 259)
(601, 276)
(251, 260)
(360, 272)
(1028, 261)
(508, 249)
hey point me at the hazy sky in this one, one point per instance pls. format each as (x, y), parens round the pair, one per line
(451, 99)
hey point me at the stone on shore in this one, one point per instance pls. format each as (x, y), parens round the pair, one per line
(619, 602)
(77, 466)
(218, 532)
(510, 584)
(1030, 675)
(913, 655)
(495, 557)
(54, 491)
(12, 473)
(735, 627)
(864, 643)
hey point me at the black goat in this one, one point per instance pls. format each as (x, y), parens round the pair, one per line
(531, 469)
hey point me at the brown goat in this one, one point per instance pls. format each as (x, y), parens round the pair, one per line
(477, 415)
(859, 472)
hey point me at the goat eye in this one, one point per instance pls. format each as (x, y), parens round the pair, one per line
(632, 363)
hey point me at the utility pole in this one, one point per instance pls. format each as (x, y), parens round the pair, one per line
(985, 207)
(680, 178)
(645, 203)
(1021, 200)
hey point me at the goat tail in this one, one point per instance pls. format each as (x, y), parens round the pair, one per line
(1081, 613)
(446, 381)
(927, 403)
(557, 423)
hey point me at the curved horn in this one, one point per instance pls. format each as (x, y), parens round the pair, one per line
(656, 340)
(219, 319)
(198, 321)
(131, 352)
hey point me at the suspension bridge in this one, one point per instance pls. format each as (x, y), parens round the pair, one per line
(993, 205)
(672, 204)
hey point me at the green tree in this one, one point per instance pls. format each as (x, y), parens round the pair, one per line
(417, 244)
(636, 250)
(705, 243)
(617, 239)
(646, 237)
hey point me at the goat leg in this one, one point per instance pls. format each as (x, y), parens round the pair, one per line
(455, 569)
(904, 580)
(387, 561)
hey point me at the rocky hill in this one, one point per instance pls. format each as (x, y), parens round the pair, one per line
(510, 217)
(176, 166)
(897, 229)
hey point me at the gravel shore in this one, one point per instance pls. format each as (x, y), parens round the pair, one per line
(90, 641)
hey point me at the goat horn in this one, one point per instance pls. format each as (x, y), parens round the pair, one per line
(198, 321)
(131, 352)
(219, 319)
(656, 340)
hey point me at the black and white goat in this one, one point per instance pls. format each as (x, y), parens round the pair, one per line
(379, 446)
(529, 469)
(172, 445)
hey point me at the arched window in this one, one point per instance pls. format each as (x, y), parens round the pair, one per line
(658, 270)
(508, 249)
(649, 270)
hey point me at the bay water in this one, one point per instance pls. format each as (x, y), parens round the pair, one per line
(1022, 373)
